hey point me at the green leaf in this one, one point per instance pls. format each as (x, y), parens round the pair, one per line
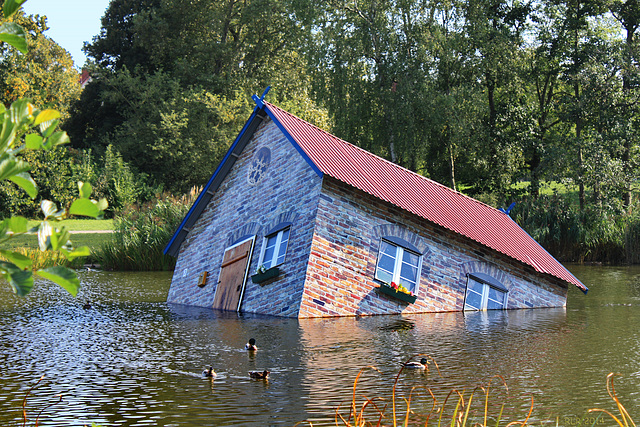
(84, 207)
(62, 276)
(23, 262)
(21, 111)
(85, 189)
(58, 138)
(76, 253)
(17, 224)
(15, 35)
(8, 134)
(47, 128)
(10, 165)
(10, 6)
(27, 183)
(102, 204)
(48, 208)
(20, 280)
(59, 238)
(46, 116)
(33, 141)
(44, 233)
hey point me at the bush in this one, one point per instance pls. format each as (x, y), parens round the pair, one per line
(554, 223)
(141, 234)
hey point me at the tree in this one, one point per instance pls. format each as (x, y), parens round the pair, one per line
(18, 123)
(374, 77)
(628, 14)
(171, 90)
(495, 30)
(44, 74)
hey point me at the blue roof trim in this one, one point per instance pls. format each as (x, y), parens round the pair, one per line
(290, 138)
(200, 198)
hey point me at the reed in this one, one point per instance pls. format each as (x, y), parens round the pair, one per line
(45, 259)
(624, 419)
(141, 234)
(459, 408)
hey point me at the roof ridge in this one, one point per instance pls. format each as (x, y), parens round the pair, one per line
(368, 153)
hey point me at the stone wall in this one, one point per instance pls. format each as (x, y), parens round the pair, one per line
(345, 246)
(249, 204)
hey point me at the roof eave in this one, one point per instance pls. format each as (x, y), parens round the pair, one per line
(173, 247)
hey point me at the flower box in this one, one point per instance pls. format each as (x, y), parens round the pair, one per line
(266, 275)
(387, 290)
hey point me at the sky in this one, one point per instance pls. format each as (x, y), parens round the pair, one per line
(71, 22)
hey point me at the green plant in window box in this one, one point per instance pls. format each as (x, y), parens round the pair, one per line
(263, 274)
(397, 291)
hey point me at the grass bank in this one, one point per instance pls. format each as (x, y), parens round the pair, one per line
(89, 232)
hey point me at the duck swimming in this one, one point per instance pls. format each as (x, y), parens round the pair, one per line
(422, 364)
(259, 375)
(251, 345)
(209, 373)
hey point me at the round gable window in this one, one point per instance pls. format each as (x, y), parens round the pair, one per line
(259, 165)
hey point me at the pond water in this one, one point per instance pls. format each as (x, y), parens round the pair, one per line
(133, 360)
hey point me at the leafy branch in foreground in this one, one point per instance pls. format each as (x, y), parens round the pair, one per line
(19, 119)
(24, 127)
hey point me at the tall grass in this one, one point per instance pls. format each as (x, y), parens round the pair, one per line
(459, 408)
(141, 233)
(46, 259)
(608, 234)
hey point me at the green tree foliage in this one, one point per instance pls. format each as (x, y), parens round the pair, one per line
(44, 74)
(173, 79)
(56, 171)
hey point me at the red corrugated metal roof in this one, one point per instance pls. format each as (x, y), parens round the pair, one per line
(419, 195)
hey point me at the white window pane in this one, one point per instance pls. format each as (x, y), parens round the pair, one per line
(385, 276)
(408, 274)
(410, 258)
(386, 262)
(268, 257)
(476, 286)
(473, 301)
(269, 252)
(388, 249)
(282, 249)
(494, 305)
(495, 299)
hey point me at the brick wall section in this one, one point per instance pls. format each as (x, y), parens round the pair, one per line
(288, 192)
(349, 224)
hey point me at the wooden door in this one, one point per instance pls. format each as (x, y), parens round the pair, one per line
(233, 273)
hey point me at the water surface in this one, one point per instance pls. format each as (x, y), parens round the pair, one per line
(133, 360)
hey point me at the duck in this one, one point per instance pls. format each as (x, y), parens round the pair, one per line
(86, 305)
(422, 364)
(259, 375)
(251, 345)
(209, 373)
